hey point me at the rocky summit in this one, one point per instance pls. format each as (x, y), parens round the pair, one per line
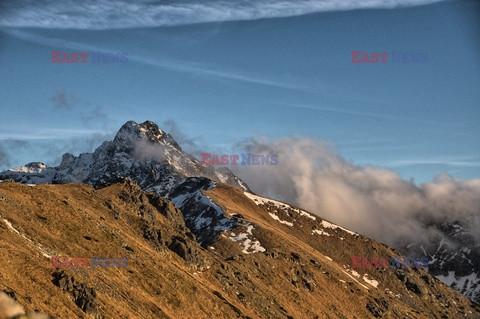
(142, 152)
(198, 242)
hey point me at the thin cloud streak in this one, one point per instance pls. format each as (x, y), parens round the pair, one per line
(122, 14)
(171, 65)
(460, 162)
(205, 70)
(46, 134)
(351, 112)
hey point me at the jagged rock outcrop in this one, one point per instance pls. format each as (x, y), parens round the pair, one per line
(84, 297)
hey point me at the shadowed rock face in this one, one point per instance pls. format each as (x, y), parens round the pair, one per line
(454, 257)
(202, 216)
(84, 297)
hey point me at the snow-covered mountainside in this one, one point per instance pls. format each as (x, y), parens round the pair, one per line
(454, 257)
(202, 216)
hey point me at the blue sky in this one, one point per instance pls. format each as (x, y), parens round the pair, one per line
(226, 71)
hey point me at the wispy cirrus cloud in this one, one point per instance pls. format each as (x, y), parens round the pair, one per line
(44, 134)
(355, 113)
(123, 14)
(448, 161)
(188, 67)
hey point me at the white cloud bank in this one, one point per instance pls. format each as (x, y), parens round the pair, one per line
(122, 14)
(373, 201)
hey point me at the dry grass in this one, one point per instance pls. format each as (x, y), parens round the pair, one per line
(74, 220)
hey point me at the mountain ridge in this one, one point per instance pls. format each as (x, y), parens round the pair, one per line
(261, 268)
(153, 159)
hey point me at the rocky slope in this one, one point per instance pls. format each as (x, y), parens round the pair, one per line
(151, 158)
(277, 261)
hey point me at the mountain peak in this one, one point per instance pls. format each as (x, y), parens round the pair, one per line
(142, 152)
(148, 130)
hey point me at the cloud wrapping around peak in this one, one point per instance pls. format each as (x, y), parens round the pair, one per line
(373, 201)
(122, 14)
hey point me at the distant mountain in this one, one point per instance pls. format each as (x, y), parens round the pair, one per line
(454, 256)
(142, 152)
(151, 157)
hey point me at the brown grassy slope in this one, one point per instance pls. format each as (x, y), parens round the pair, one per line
(400, 293)
(293, 278)
(73, 220)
